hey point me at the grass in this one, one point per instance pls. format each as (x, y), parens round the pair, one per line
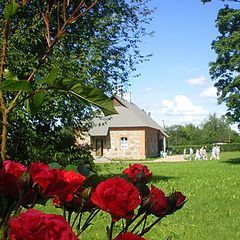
(212, 210)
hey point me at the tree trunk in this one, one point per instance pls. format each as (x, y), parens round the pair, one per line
(4, 136)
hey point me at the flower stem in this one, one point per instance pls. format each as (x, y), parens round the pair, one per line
(141, 220)
(111, 231)
(128, 224)
(151, 226)
(89, 219)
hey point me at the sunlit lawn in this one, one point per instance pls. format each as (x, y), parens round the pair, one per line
(213, 192)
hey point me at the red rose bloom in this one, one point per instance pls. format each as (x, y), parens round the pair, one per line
(10, 174)
(55, 182)
(117, 197)
(35, 225)
(128, 236)
(156, 202)
(138, 173)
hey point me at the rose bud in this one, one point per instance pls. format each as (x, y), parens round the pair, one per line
(155, 203)
(25, 181)
(142, 188)
(86, 193)
(175, 202)
(138, 173)
(10, 174)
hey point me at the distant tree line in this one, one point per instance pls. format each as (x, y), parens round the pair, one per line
(213, 130)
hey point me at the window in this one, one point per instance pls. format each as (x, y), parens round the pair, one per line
(124, 143)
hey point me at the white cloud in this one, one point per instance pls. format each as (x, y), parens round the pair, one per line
(185, 106)
(167, 103)
(197, 81)
(182, 111)
(209, 92)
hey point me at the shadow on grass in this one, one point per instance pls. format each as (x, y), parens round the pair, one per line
(232, 161)
(155, 178)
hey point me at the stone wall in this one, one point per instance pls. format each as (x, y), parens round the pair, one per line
(135, 150)
(142, 143)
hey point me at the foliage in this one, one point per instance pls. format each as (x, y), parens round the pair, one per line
(182, 135)
(210, 131)
(132, 201)
(53, 56)
(42, 141)
(225, 69)
(217, 130)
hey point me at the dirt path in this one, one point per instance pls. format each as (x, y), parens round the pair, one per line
(172, 158)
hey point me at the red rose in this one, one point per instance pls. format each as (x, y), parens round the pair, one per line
(138, 173)
(14, 168)
(55, 182)
(128, 236)
(10, 174)
(117, 197)
(35, 225)
(156, 202)
(175, 202)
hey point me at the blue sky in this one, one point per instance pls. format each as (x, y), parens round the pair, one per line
(175, 86)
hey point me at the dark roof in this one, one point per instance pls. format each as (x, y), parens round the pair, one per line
(129, 115)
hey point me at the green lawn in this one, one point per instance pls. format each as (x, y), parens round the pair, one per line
(213, 192)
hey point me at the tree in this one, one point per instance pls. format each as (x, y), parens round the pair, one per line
(177, 135)
(216, 130)
(62, 55)
(15, 89)
(226, 69)
(212, 130)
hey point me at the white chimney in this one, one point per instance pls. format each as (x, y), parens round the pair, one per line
(127, 96)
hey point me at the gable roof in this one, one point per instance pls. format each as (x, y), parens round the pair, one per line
(129, 115)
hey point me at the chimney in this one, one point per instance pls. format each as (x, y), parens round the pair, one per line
(127, 96)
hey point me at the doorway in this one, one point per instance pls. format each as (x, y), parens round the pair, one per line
(99, 147)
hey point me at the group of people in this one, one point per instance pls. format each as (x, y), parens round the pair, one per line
(201, 154)
(215, 153)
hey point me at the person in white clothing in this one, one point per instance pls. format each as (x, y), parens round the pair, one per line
(197, 156)
(217, 152)
(213, 157)
(190, 153)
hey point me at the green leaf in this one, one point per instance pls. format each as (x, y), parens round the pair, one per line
(87, 95)
(10, 76)
(52, 76)
(83, 170)
(71, 167)
(54, 165)
(15, 85)
(10, 10)
(36, 101)
(93, 181)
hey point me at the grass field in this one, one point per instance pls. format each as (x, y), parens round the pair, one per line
(212, 210)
